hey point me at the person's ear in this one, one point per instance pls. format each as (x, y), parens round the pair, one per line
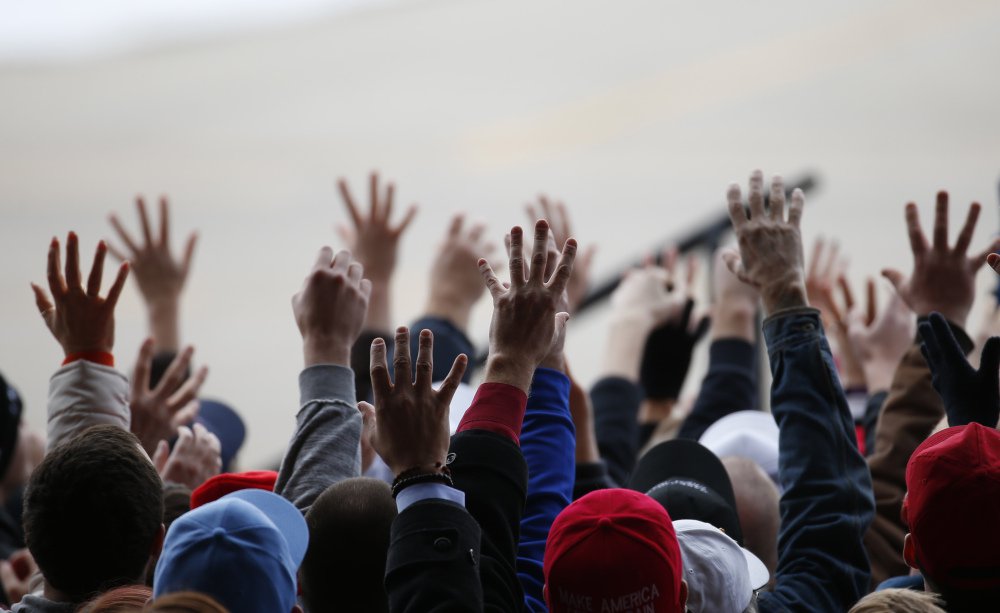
(909, 555)
(684, 594)
(545, 593)
(157, 546)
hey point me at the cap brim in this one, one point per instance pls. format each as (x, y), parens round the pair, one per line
(759, 575)
(285, 517)
(225, 423)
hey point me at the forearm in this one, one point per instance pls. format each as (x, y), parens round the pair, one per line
(84, 394)
(547, 442)
(827, 501)
(164, 324)
(380, 306)
(616, 406)
(451, 309)
(326, 446)
(730, 385)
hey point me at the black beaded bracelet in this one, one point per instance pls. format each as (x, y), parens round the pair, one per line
(404, 481)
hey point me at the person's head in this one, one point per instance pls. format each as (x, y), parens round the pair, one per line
(690, 482)
(613, 550)
(951, 507)
(93, 512)
(757, 502)
(894, 600)
(126, 599)
(344, 567)
(185, 602)
(722, 577)
(176, 502)
(243, 550)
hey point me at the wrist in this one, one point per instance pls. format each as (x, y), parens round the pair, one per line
(784, 294)
(554, 361)
(655, 411)
(319, 351)
(878, 377)
(455, 309)
(623, 357)
(734, 321)
(501, 368)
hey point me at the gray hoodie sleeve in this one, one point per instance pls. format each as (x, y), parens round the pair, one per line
(326, 446)
(84, 394)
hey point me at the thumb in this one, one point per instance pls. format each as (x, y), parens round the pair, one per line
(160, 456)
(735, 264)
(895, 277)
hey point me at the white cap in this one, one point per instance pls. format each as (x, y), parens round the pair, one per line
(721, 575)
(747, 434)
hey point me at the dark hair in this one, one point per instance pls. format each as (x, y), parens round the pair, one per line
(344, 567)
(185, 602)
(128, 599)
(176, 502)
(92, 510)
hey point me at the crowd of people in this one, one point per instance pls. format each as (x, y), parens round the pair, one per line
(868, 480)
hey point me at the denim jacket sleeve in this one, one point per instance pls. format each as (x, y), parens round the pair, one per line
(548, 441)
(827, 503)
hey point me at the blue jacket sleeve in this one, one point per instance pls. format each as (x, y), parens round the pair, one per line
(548, 442)
(827, 503)
(730, 385)
(616, 410)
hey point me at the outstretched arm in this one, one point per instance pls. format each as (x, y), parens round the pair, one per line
(87, 390)
(827, 502)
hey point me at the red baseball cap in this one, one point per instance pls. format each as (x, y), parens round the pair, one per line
(613, 550)
(952, 505)
(227, 483)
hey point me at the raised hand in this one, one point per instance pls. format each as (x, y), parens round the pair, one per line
(526, 323)
(770, 247)
(734, 312)
(456, 284)
(158, 413)
(943, 277)
(196, 457)
(969, 395)
(160, 276)
(878, 341)
(330, 308)
(80, 320)
(826, 270)
(556, 214)
(374, 241)
(411, 418)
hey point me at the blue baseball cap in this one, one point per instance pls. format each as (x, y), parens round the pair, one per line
(244, 550)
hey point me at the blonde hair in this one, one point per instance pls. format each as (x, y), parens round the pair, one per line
(185, 602)
(899, 601)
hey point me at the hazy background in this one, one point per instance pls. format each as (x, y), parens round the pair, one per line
(637, 113)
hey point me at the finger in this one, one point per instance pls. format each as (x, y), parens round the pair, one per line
(116, 287)
(831, 305)
(175, 373)
(122, 234)
(341, 262)
(872, 311)
(756, 197)
(777, 202)
(559, 331)
(941, 221)
(489, 277)
(737, 214)
(143, 365)
(450, 383)
(386, 212)
(846, 292)
(192, 242)
(817, 257)
(401, 360)
(455, 227)
(965, 235)
(546, 209)
(551, 257)
(918, 242)
(379, 370)
(693, 266)
(533, 213)
(57, 284)
(187, 392)
(160, 456)
(516, 263)
(366, 289)
(735, 265)
(539, 252)
(563, 217)
(976, 261)
(669, 261)
(352, 209)
(97, 270)
(798, 204)
(829, 266)
(324, 258)
(164, 222)
(185, 440)
(425, 359)
(73, 262)
(116, 253)
(45, 307)
(476, 233)
(407, 219)
(703, 325)
(564, 269)
(373, 214)
(186, 415)
(147, 233)
(895, 277)
(355, 271)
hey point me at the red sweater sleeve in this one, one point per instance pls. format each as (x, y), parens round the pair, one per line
(100, 357)
(498, 408)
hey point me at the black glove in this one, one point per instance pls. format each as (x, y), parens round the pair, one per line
(667, 355)
(969, 396)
